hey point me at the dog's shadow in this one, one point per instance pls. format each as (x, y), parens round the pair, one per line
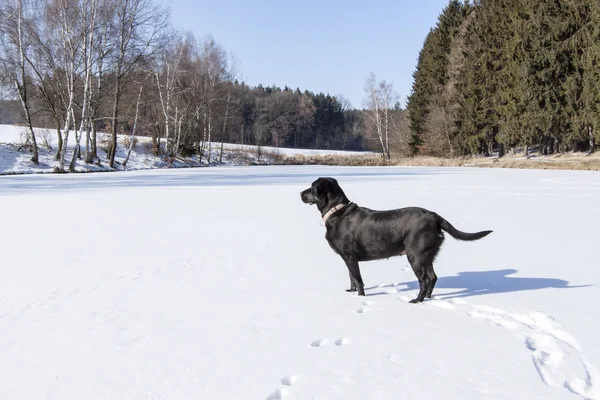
(476, 283)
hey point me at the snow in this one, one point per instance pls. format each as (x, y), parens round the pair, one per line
(15, 159)
(217, 283)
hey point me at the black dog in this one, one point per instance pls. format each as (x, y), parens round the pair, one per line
(360, 234)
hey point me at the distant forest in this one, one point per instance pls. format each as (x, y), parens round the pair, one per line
(492, 76)
(118, 66)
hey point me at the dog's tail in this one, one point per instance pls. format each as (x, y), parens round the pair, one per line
(456, 234)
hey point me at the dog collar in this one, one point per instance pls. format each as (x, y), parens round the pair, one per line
(333, 210)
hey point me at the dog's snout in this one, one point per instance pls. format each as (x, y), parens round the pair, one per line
(305, 196)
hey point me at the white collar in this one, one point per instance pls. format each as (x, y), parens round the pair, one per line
(333, 210)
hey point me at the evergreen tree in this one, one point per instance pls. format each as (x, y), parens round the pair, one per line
(432, 68)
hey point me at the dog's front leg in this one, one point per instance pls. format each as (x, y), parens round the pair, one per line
(355, 278)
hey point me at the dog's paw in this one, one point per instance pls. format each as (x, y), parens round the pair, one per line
(351, 290)
(414, 301)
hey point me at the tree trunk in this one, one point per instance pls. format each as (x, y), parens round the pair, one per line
(59, 138)
(204, 134)
(87, 142)
(165, 106)
(591, 139)
(180, 122)
(542, 145)
(447, 131)
(157, 150)
(132, 137)
(31, 134)
(94, 143)
(209, 134)
(63, 151)
(154, 139)
(197, 131)
(71, 83)
(87, 86)
(93, 155)
(22, 86)
(115, 123)
(77, 140)
(224, 126)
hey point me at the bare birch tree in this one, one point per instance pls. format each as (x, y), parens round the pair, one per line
(102, 49)
(88, 19)
(231, 76)
(70, 36)
(214, 65)
(379, 100)
(46, 80)
(13, 29)
(141, 29)
(167, 77)
(134, 128)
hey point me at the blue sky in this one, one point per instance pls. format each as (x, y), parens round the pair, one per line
(324, 46)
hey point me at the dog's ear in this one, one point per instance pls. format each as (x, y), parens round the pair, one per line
(322, 187)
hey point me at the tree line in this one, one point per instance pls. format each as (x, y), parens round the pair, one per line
(492, 76)
(496, 75)
(118, 66)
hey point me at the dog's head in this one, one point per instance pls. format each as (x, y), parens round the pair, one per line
(323, 191)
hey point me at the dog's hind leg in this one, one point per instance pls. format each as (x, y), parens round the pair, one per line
(419, 267)
(352, 284)
(432, 280)
(429, 256)
(355, 277)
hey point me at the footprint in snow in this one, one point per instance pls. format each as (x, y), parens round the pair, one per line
(365, 308)
(342, 342)
(282, 392)
(439, 304)
(494, 319)
(279, 394)
(319, 342)
(550, 345)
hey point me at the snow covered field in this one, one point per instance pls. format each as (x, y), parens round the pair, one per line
(217, 283)
(15, 161)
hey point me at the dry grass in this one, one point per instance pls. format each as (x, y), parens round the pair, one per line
(354, 160)
(566, 161)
